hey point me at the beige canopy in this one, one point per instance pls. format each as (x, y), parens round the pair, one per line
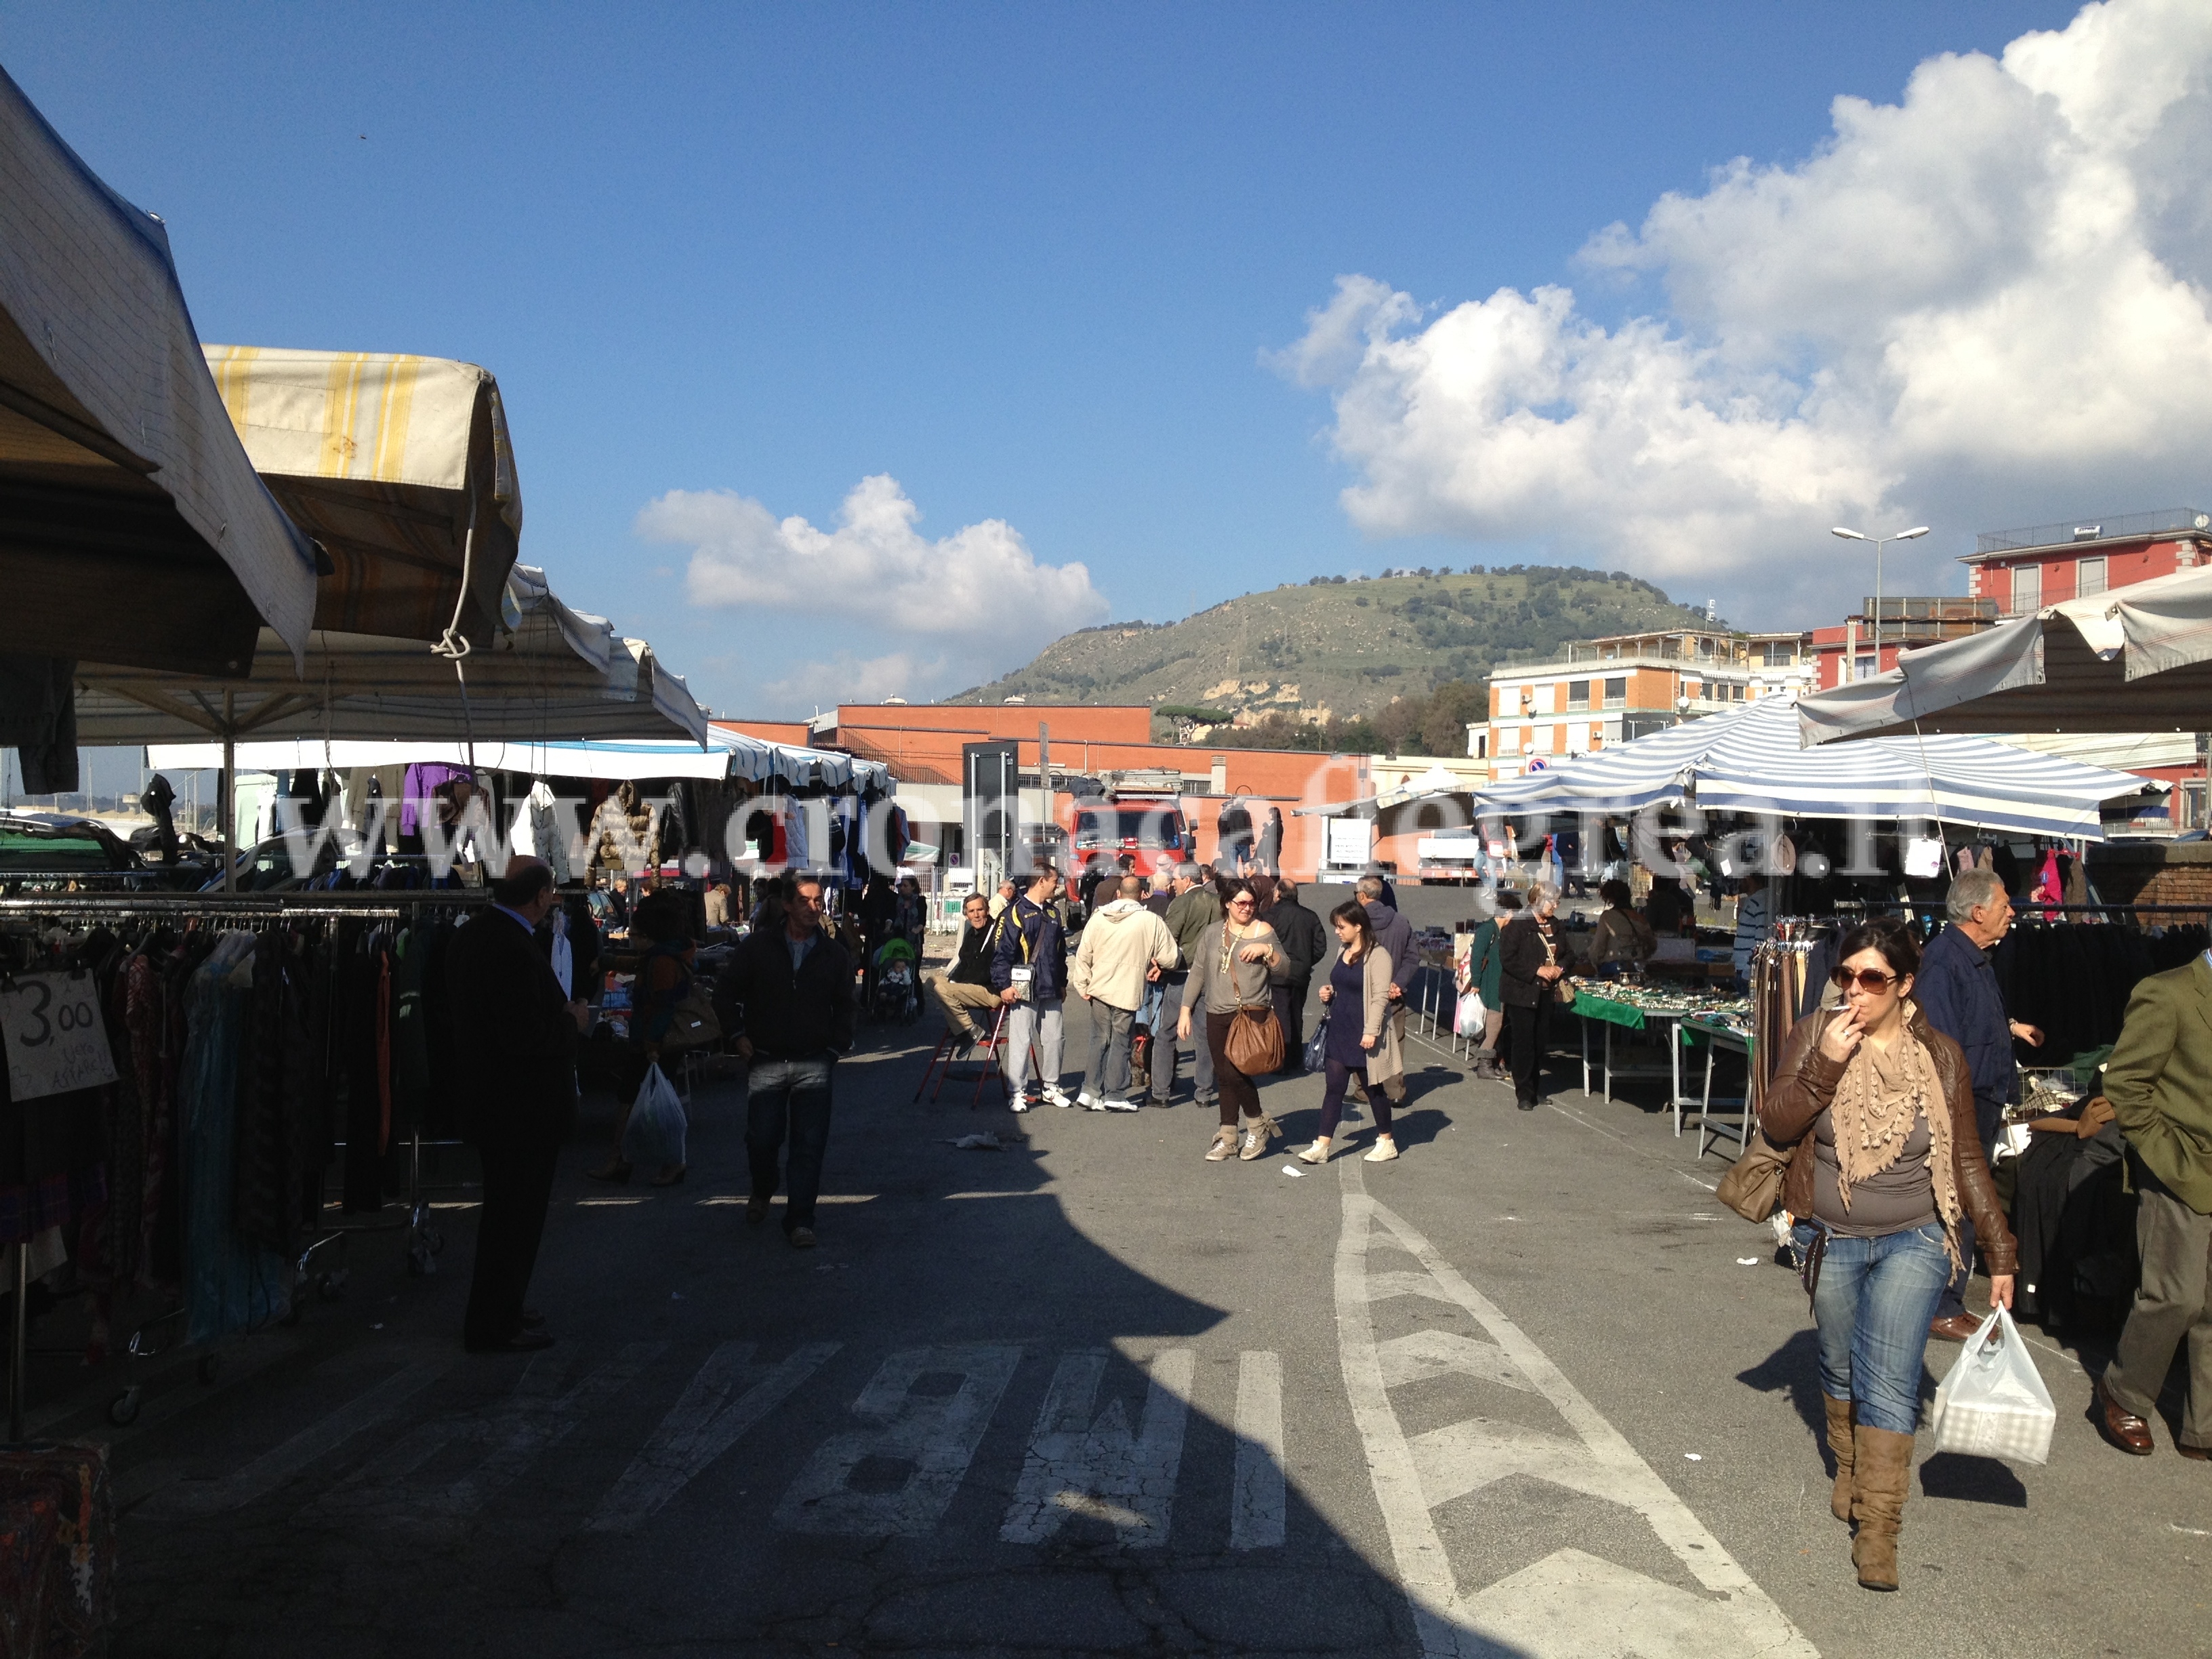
(132, 527)
(398, 466)
(549, 674)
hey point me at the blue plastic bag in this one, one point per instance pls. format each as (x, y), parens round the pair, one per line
(654, 1136)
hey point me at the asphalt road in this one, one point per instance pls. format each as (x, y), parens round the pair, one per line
(1527, 1390)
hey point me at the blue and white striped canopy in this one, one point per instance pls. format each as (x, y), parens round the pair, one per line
(1748, 761)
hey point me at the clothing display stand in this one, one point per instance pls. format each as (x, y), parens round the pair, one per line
(319, 1263)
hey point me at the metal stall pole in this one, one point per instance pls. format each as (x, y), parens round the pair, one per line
(226, 807)
(17, 1374)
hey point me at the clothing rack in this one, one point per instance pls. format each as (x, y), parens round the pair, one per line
(226, 911)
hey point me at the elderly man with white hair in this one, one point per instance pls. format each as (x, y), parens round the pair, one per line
(1957, 989)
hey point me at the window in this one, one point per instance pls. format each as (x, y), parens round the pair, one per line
(1477, 746)
(2027, 589)
(1577, 696)
(2089, 576)
(1866, 669)
(1540, 740)
(1543, 705)
(1780, 654)
(1506, 744)
(1578, 737)
(1616, 692)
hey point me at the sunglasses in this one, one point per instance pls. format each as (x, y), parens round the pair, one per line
(1867, 980)
(1244, 899)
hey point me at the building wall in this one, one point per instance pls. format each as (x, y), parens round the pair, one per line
(2058, 568)
(1533, 713)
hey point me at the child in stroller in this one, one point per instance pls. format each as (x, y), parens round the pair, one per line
(898, 986)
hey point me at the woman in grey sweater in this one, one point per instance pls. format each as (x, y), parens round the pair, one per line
(1230, 972)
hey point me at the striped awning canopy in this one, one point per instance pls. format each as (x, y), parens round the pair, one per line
(551, 674)
(2137, 658)
(1749, 760)
(399, 466)
(132, 526)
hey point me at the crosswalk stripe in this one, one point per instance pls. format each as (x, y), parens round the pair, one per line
(699, 1429)
(264, 1474)
(1255, 1514)
(1079, 1466)
(920, 1443)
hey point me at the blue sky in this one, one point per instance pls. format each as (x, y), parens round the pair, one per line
(1053, 266)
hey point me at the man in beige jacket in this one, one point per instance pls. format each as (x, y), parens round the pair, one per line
(1124, 945)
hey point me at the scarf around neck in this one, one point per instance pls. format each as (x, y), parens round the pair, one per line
(1881, 1096)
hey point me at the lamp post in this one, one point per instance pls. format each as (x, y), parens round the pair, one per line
(1880, 542)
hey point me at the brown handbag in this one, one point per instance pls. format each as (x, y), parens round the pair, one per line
(1255, 1043)
(1752, 1186)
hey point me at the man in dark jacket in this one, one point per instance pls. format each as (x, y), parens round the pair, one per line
(1029, 971)
(1395, 934)
(1194, 907)
(1304, 944)
(1957, 989)
(515, 1037)
(793, 986)
(963, 989)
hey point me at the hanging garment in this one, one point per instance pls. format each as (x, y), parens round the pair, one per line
(230, 1284)
(539, 832)
(38, 720)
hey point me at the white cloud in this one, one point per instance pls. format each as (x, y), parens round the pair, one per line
(979, 593)
(846, 678)
(1984, 305)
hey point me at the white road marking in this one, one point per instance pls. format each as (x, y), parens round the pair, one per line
(1077, 1465)
(700, 1427)
(1255, 1511)
(508, 1436)
(1420, 1355)
(262, 1475)
(1570, 1605)
(922, 1439)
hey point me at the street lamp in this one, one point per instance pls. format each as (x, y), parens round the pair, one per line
(1880, 542)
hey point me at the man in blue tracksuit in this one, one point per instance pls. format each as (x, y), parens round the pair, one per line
(1029, 970)
(1957, 989)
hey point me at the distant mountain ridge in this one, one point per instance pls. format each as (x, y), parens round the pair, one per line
(1339, 648)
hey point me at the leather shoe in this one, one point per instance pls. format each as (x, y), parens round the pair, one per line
(2195, 1454)
(2122, 1426)
(525, 1341)
(1955, 1328)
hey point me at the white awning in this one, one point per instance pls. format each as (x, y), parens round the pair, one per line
(2137, 658)
(132, 526)
(552, 675)
(1748, 760)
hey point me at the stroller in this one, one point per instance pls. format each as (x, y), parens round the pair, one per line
(897, 994)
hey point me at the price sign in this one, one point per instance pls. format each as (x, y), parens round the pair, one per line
(55, 1037)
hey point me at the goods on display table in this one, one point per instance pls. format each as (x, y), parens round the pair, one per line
(1621, 1004)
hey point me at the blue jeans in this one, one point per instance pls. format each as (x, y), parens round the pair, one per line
(790, 1094)
(1873, 1304)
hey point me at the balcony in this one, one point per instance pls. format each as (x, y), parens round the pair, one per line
(2067, 531)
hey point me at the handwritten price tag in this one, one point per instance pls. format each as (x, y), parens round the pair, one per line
(55, 1037)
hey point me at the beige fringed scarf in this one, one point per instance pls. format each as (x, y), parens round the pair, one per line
(1877, 1101)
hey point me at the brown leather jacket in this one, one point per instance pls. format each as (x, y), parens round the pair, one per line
(1805, 1082)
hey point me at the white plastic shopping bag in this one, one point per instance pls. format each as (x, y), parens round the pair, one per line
(1471, 1014)
(655, 1135)
(1993, 1404)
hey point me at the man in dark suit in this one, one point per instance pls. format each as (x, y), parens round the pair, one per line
(515, 1034)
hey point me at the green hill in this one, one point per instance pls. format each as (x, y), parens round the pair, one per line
(1340, 649)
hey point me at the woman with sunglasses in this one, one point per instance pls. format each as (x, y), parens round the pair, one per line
(1231, 973)
(1879, 1107)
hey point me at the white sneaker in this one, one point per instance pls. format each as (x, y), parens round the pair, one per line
(1089, 1101)
(1054, 1097)
(1021, 1103)
(1118, 1105)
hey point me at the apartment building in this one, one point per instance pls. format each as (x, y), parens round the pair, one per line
(2020, 571)
(1625, 686)
(1867, 643)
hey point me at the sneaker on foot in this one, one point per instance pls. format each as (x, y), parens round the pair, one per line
(1383, 1151)
(1256, 1138)
(1054, 1097)
(1224, 1146)
(1021, 1102)
(802, 1238)
(1088, 1101)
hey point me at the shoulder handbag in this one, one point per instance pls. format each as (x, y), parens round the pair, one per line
(1255, 1044)
(695, 1023)
(1752, 1185)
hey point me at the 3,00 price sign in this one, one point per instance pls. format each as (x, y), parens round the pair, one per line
(56, 1038)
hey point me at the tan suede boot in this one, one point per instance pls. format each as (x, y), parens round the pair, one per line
(1840, 1423)
(1882, 1472)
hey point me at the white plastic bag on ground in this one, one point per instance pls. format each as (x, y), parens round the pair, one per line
(655, 1135)
(1993, 1404)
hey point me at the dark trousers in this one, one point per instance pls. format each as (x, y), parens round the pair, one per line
(1336, 1079)
(518, 1185)
(2172, 1306)
(1531, 1034)
(1989, 1118)
(789, 1097)
(1291, 1009)
(1239, 1094)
